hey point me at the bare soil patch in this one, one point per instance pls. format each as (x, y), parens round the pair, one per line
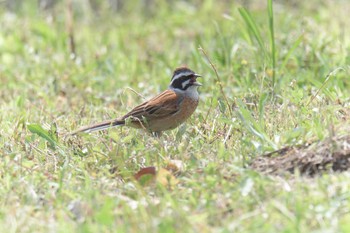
(329, 155)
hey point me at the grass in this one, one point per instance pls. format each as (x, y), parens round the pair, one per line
(293, 96)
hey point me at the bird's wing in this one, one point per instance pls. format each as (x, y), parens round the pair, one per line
(163, 105)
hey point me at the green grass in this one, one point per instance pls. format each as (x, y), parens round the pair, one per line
(285, 73)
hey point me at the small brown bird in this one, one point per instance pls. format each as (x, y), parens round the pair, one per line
(165, 111)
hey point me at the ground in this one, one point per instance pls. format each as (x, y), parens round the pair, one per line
(267, 108)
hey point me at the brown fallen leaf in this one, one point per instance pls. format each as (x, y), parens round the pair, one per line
(146, 175)
(149, 175)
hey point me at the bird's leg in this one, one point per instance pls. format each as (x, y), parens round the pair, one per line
(157, 134)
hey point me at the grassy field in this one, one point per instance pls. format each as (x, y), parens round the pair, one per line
(273, 89)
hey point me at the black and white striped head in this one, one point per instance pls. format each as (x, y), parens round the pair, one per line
(183, 79)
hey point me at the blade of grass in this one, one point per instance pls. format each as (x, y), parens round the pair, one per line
(272, 41)
(37, 129)
(291, 50)
(253, 28)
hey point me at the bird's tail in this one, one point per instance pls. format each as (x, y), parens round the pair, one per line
(99, 126)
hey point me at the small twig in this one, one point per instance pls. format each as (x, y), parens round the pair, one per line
(217, 79)
(69, 27)
(207, 115)
(279, 151)
(132, 90)
(324, 84)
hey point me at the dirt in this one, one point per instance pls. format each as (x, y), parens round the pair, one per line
(329, 155)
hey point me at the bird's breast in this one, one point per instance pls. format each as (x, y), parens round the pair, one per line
(188, 106)
(186, 109)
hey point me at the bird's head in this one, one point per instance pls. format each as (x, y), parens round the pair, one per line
(184, 79)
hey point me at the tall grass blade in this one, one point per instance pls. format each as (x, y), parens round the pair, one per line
(291, 50)
(253, 28)
(272, 41)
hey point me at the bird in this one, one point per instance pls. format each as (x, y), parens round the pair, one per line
(166, 111)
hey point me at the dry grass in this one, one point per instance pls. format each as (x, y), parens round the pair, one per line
(330, 155)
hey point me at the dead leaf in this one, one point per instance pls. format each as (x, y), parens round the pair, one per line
(149, 175)
(146, 175)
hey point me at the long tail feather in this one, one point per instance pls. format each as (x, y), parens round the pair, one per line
(99, 126)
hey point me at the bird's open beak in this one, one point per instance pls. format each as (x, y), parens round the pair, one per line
(195, 81)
